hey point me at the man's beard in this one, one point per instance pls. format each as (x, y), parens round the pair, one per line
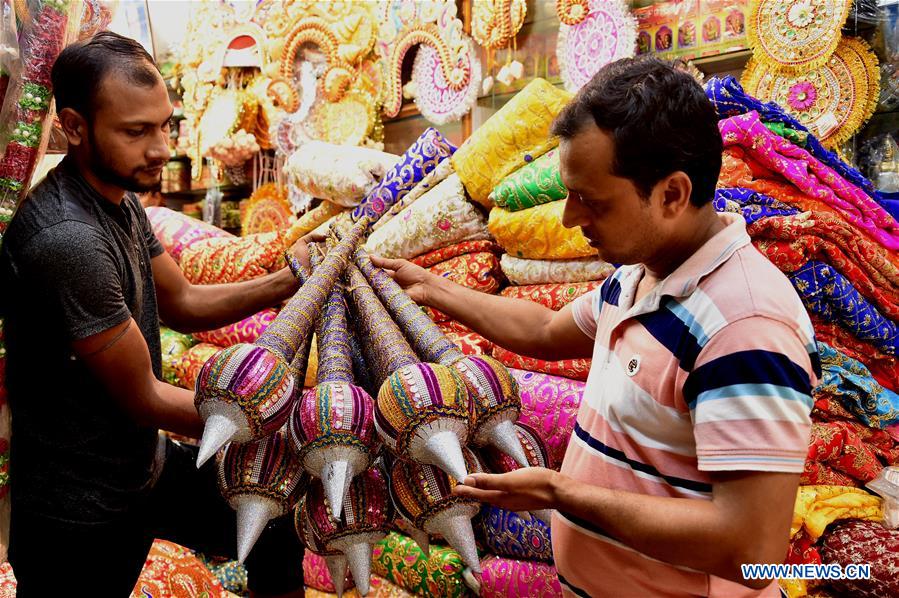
(100, 164)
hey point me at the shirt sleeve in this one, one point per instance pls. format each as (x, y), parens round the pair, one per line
(750, 400)
(153, 244)
(71, 267)
(583, 310)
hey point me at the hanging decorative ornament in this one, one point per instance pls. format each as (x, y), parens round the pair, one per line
(332, 426)
(796, 36)
(491, 388)
(245, 392)
(833, 100)
(572, 12)
(352, 531)
(308, 534)
(436, 99)
(349, 121)
(426, 495)
(494, 23)
(407, 23)
(261, 480)
(535, 451)
(267, 210)
(606, 34)
(423, 411)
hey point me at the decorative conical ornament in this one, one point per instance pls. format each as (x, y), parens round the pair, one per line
(425, 494)
(332, 426)
(250, 386)
(491, 388)
(362, 523)
(423, 411)
(261, 480)
(307, 532)
(536, 455)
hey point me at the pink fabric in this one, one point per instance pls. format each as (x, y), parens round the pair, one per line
(176, 231)
(245, 331)
(317, 576)
(549, 404)
(810, 175)
(501, 578)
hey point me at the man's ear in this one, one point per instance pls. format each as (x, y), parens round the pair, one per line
(73, 125)
(676, 190)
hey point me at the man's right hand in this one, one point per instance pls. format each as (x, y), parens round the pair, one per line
(414, 279)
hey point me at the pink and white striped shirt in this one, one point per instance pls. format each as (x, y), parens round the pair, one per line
(711, 371)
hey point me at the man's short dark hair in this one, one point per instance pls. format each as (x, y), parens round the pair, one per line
(81, 68)
(660, 121)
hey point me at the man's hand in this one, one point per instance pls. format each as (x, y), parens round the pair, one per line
(413, 279)
(526, 489)
(300, 249)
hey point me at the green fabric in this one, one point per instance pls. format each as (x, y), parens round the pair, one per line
(536, 183)
(398, 559)
(797, 137)
(174, 345)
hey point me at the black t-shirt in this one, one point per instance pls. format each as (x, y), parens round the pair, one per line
(72, 265)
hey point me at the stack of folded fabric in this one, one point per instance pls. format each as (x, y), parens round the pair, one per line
(826, 227)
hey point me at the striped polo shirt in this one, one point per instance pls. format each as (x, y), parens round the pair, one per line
(711, 371)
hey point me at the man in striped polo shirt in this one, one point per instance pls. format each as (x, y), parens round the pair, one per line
(694, 423)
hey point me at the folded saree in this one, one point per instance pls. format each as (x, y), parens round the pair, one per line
(553, 296)
(535, 183)
(528, 271)
(244, 331)
(432, 258)
(537, 233)
(503, 577)
(549, 404)
(791, 241)
(818, 506)
(850, 382)
(399, 560)
(176, 231)
(575, 369)
(828, 294)
(884, 368)
(223, 260)
(810, 175)
(849, 448)
(855, 541)
(750, 204)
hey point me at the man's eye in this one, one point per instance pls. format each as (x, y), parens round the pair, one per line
(134, 132)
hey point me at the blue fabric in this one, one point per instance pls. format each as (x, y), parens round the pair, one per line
(752, 205)
(508, 535)
(422, 157)
(829, 294)
(890, 203)
(730, 99)
(850, 382)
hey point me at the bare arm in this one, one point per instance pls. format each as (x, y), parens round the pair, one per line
(518, 325)
(190, 307)
(120, 359)
(708, 536)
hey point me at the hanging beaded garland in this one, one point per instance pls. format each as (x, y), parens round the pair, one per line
(833, 100)
(495, 22)
(796, 36)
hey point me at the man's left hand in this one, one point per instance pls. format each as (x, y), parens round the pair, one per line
(526, 489)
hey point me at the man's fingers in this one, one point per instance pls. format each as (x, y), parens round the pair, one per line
(487, 481)
(313, 237)
(386, 263)
(490, 496)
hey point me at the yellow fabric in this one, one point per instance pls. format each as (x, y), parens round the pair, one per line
(517, 134)
(819, 506)
(311, 220)
(537, 233)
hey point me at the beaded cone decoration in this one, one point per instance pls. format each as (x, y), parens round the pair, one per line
(246, 392)
(424, 495)
(261, 480)
(492, 390)
(352, 531)
(332, 425)
(308, 535)
(537, 456)
(422, 411)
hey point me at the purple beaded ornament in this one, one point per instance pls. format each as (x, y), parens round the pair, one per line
(492, 389)
(352, 531)
(245, 392)
(261, 480)
(423, 412)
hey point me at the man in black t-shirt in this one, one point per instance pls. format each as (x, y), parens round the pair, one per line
(85, 283)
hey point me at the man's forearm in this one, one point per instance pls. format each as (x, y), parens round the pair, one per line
(207, 307)
(515, 324)
(686, 532)
(174, 411)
